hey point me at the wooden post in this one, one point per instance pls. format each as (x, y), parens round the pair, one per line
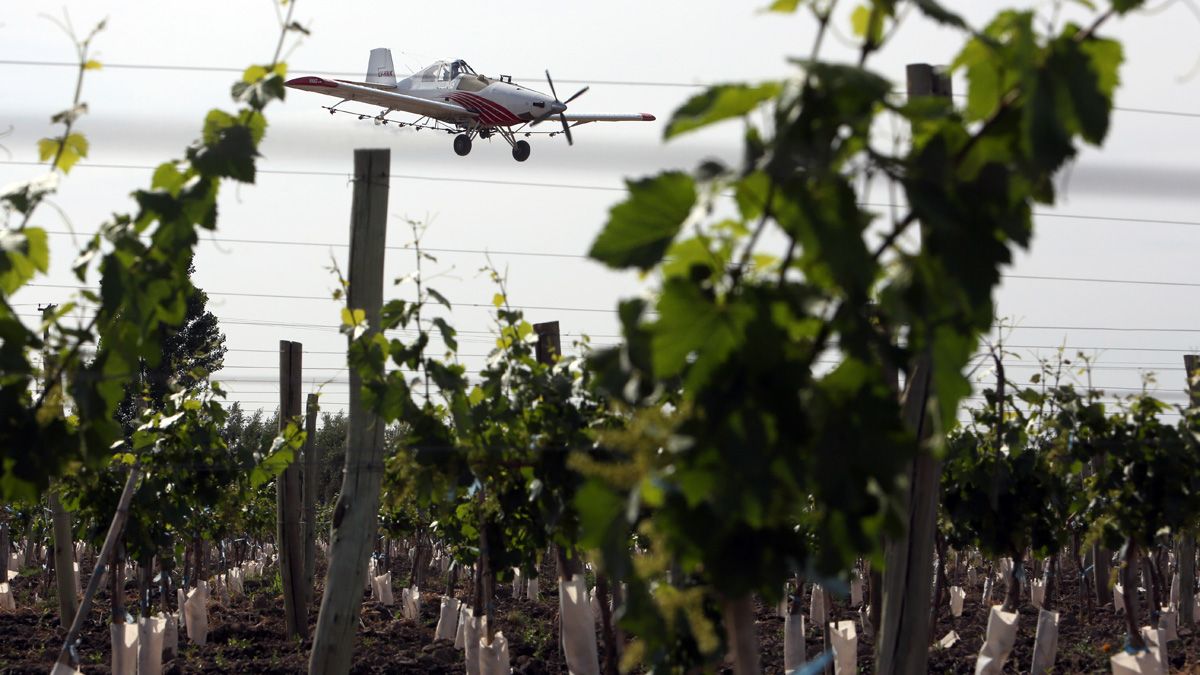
(287, 498)
(116, 587)
(549, 348)
(549, 344)
(355, 515)
(64, 540)
(5, 544)
(115, 528)
(567, 560)
(311, 468)
(904, 630)
(1187, 545)
(64, 560)
(738, 613)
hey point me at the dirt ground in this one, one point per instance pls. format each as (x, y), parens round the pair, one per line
(245, 637)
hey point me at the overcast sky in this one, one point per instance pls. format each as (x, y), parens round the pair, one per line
(638, 57)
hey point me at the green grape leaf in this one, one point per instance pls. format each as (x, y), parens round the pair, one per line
(691, 324)
(717, 103)
(860, 19)
(23, 253)
(447, 332)
(640, 229)
(934, 10)
(229, 148)
(279, 457)
(784, 6)
(441, 299)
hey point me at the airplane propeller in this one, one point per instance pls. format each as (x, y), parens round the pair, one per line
(559, 107)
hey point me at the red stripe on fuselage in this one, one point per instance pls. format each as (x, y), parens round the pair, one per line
(500, 113)
(490, 112)
(485, 116)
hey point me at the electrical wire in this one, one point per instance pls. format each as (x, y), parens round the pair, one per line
(268, 242)
(456, 303)
(538, 79)
(573, 186)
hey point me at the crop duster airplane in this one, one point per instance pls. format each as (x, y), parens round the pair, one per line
(454, 98)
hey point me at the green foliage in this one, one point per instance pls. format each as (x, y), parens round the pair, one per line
(1004, 481)
(641, 228)
(486, 470)
(785, 6)
(718, 103)
(142, 262)
(280, 455)
(734, 438)
(23, 254)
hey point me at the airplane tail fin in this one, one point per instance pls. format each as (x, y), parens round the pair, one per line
(380, 69)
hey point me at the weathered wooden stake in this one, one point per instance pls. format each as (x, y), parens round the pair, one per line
(287, 498)
(1187, 544)
(64, 541)
(356, 512)
(311, 468)
(115, 528)
(904, 629)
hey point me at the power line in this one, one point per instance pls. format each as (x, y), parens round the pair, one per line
(1073, 367)
(317, 244)
(574, 186)
(343, 73)
(1095, 280)
(1117, 219)
(332, 73)
(329, 298)
(1118, 329)
(490, 336)
(1070, 348)
(277, 296)
(487, 336)
(310, 352)
(339, 174)
(269, 242)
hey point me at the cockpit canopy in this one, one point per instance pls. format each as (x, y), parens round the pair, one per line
(445, 71)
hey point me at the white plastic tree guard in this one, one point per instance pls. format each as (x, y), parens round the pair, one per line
(124, 648)
(195, 608)
(1045, 643)
(578, 627)
(150, 631)
(844, 640)
(957, 597)
(794, 653)
(448, 613)
(493, 658)
(1001, 634)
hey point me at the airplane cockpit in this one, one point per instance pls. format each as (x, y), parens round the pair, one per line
(456, 73)
(460, 67)
(445, 71)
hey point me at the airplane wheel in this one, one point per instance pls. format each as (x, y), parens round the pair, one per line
(462, 145)
(521, 151)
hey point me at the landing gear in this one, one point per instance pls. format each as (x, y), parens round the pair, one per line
(462, 145)
(520, 151)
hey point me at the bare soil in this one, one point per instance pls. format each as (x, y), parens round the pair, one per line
(246, 636)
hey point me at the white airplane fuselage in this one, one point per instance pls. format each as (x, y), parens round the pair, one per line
(498, 103)
(457, 99)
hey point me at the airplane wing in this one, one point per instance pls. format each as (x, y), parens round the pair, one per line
(584, 118)
(376, 94)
